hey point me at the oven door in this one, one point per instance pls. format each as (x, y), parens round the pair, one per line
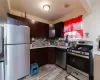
(78, 62)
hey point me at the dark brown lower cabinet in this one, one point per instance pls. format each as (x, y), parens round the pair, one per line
(33, 56)
(51, 55)
(39, 56)
(42, 56)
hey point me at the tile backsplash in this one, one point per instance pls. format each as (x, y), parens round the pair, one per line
(38, 42)
(46, 42)
(43, 41)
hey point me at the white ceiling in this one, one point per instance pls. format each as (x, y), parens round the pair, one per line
(34, 7)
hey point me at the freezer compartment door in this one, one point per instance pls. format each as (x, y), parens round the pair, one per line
(1, 70)
(18, 61)
(16, 34)
(1, 40)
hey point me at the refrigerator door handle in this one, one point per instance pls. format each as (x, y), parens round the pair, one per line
(5, 54)
(5, 44)
(1, 40)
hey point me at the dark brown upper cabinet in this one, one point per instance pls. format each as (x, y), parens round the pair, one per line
(11, 19)
(33, 32)
(59, 29)
(16, 20)
(37, 29)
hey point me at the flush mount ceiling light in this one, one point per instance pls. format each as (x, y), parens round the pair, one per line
(46, 7)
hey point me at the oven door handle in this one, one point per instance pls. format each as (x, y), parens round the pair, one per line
(87, 57)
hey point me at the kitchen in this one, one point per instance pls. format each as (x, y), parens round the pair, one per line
(47, 48)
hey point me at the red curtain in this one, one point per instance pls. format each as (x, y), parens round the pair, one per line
(73, 28)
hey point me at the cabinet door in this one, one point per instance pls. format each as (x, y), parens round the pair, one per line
(12, 20)
(23, 21)
(42, 56)
(59, 28)
(16, 20)
(33, 56)
(42, 29)
(46, 27)
(51, 56)
(32, 26)
(39, 29)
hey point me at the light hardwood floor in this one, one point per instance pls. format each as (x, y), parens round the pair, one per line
(49, 72)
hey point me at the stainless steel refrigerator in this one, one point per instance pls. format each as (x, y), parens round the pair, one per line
(16, 51)
(2, 70)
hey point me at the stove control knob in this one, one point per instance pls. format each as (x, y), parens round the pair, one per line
(83, 53)
(87, 54)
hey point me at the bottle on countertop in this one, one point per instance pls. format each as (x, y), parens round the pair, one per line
(67, 43)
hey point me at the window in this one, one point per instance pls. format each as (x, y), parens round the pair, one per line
(73, 28)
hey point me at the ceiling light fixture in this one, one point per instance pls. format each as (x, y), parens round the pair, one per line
(46, 7)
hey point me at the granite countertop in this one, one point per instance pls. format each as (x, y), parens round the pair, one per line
(36, 47)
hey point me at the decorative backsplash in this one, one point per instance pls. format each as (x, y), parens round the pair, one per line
(38, 42)
(43, 41)
(47, 42)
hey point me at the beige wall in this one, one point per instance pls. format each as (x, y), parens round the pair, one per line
(91, 24)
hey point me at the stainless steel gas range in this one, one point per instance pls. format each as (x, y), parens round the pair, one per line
(80, 62)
